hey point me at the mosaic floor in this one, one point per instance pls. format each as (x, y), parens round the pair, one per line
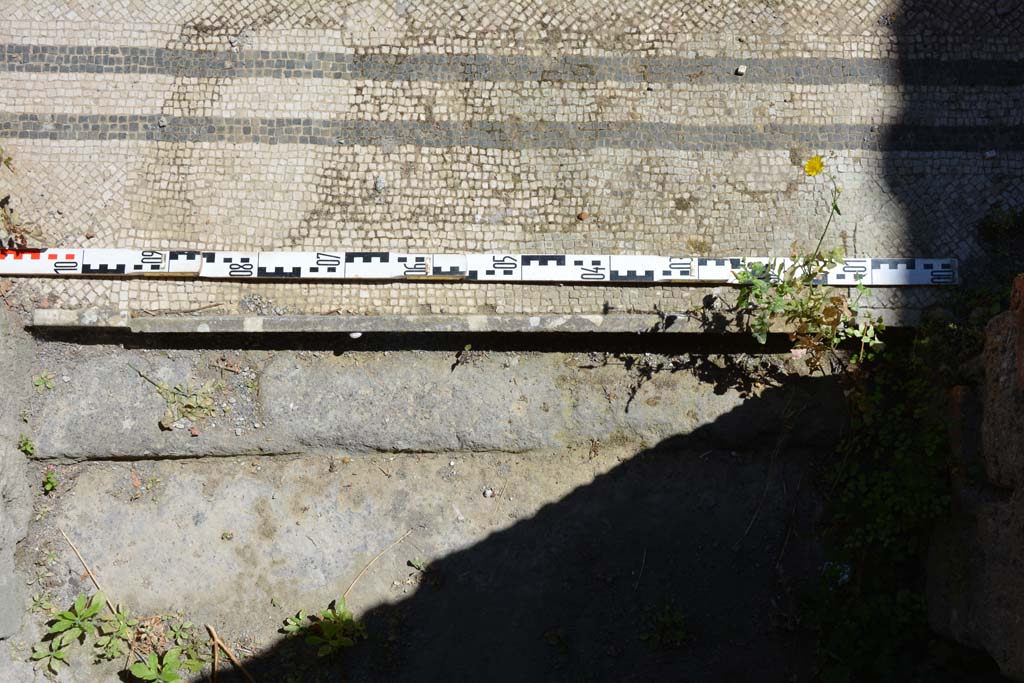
(640, 126)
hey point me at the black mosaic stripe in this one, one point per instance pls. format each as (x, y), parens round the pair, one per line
(509, 135)
(489, 67)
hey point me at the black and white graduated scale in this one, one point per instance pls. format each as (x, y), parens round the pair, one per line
(388, 265)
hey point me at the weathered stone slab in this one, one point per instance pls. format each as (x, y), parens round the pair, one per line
(414, 403)
(105, 409)
(15, 503)
(409, 401)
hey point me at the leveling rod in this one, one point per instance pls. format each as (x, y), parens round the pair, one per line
(573, 269)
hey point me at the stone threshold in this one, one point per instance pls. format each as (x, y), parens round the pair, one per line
(617, 323)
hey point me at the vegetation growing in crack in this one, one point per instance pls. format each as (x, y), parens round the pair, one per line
(116, 634)
(43, 381)
(331, 631)
(153, 648)
(50, 481)
(14, 232)
(791, 291)
(26, 445)
(156, 667)
(69, 627)
(184, 401)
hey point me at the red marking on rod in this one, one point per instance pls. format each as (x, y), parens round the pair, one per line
(19, 254)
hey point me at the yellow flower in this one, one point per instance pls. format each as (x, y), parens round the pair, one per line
(814, 166)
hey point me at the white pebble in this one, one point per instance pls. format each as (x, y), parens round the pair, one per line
(355, 335)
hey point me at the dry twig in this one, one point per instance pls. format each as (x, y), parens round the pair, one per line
(225, 367)
(88, 571)
(184, 312)
(643, 563)
(217, 642)
(370, 563)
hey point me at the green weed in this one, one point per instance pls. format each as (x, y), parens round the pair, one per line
(74, 624)
(159, 667)
(50, 481)
(184, 401)
(50, 654)
(333, 630)
(42, 603)
(43, 381)
(115, 635)
(821, 318)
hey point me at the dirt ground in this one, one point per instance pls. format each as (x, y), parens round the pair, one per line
(576, 569)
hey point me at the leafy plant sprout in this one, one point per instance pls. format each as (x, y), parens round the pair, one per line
(43, 381)
(50, 481)
(26, 446)
(820, 318)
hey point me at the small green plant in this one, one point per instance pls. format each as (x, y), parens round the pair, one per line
(42, 603)
(40, 577)
(115, 635)
(26, 446)
(159, 667)
(43, 381)
(50, 481)
(74, 624)
(666, 629)
(50, 654)
(13, 231)
(6, 160)
(820, 317)
(296, 625)
(184, 401)
(118, 635)
(333, 630)
(182, 632)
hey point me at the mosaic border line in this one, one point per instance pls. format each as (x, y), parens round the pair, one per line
(110, 59)
(509, 134)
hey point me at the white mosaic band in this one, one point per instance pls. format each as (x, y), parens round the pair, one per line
(389, 265)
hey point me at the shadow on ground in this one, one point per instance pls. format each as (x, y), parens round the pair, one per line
(590, 588)
(959, 184)
(680, 564)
